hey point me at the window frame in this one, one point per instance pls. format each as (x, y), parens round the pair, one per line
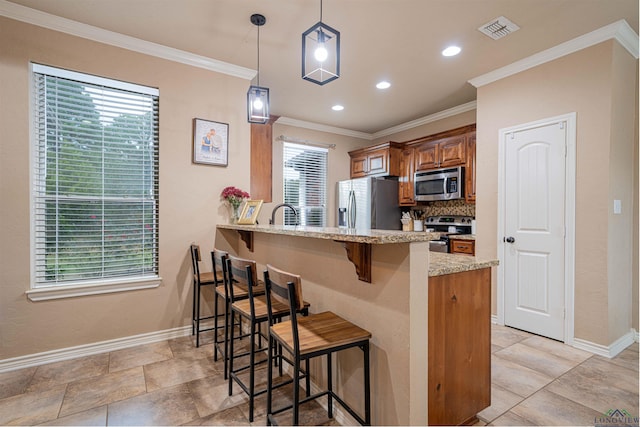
(72, 288)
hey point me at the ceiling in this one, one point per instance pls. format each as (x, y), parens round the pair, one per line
(395, 40)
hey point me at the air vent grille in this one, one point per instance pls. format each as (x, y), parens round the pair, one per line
(498, 28)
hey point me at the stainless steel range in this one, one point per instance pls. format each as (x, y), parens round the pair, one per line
(450, 225)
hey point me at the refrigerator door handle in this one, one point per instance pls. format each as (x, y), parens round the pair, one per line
(351, 220)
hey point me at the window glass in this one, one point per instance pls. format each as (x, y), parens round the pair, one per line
(305, 184)
(95, 176)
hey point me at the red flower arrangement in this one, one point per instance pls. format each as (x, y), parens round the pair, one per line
(234, 196)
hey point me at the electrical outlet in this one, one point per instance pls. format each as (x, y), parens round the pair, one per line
(617, 206)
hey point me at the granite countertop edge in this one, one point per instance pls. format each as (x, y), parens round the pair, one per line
(339, 234)
(443, 263)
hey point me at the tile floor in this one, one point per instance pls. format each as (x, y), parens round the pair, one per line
(535, 381)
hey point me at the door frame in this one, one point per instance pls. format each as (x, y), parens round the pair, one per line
(569, 220)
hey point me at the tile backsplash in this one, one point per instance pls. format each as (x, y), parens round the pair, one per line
(448, 207)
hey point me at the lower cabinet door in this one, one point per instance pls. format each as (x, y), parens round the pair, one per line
(459, 383)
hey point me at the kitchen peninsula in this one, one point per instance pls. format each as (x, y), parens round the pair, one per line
(416, 361)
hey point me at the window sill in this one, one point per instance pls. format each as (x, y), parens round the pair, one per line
(103, 287)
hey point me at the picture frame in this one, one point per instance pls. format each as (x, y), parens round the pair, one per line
(250, 210)
(210, 144)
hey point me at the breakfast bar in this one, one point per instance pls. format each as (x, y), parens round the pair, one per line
(379, 280)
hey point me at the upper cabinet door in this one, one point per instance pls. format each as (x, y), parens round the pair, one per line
(452, 151)
(426, 156)
(358, 166)
(470, 172)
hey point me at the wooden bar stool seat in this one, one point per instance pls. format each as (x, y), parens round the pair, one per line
(308, 337)
(254, 309)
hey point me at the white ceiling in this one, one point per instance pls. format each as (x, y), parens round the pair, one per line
(396, 40)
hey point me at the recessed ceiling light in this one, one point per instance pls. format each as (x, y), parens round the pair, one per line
(383, 85)
(451, 51)
(337, 107)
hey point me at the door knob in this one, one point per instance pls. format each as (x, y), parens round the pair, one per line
(509, 239)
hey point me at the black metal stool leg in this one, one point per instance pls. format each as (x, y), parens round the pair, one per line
(296, 391)
(227, 313)
(215, 326)
(197, 315)
(308, 377)
(270, 360)
(252, 360)
(193, 309)
(367, 386)
(329, 387)
(229, 356)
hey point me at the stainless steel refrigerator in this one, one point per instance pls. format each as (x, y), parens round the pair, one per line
(367, 203)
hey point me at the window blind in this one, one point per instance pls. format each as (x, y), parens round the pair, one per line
(95, 179)
(305, 184)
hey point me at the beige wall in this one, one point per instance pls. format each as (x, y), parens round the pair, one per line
(190, 205)
(580, 82)
(621, 166)
(189, 194)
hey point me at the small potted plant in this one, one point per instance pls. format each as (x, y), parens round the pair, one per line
(234, 197)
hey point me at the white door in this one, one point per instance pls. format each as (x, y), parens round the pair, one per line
(534, 229)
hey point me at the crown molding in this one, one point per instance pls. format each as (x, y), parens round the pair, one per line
(323, 128)
(620, 31)
(427, 119)
(68, 26)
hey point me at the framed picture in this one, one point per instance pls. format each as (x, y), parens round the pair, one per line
(210, 142)
(250, 211)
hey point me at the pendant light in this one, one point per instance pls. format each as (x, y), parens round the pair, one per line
(321, 53)
(258, 96)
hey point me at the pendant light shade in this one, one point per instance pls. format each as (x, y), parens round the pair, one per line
(258, 104)
(258, 96)
(321, 53)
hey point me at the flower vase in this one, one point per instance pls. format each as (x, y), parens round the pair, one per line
(235, 215)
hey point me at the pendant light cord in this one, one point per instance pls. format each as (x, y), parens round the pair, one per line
(320, 10)
(258, 55)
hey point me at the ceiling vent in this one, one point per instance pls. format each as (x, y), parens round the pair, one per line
(498, 28)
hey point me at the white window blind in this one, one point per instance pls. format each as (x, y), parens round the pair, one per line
(305, 184)
(95, 179)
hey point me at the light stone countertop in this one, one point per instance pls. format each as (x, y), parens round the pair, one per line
(463, 237)
(443, 263)
(341, 234)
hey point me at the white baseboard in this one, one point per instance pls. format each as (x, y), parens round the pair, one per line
(91, 349)
(636, 338)
(494, 319)
(607, 351)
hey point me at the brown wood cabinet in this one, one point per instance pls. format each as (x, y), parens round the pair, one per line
(459, 383)
(441, 153)
(377, 160)
(405, 180)
(470, 170)
(459, 246)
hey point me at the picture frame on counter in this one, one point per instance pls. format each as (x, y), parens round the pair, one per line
(250, 211)
(210, 142)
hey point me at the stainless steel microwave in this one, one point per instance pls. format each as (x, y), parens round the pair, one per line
(439, 184)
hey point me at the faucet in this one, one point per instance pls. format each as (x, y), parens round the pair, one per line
(273, 213)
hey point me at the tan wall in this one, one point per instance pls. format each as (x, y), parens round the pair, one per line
(580, 82)
(189, 194)
(621, 165)
(636, 229)
(190, 205)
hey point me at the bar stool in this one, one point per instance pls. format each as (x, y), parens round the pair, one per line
(240, 291)
(243, 272)
(200, 279)
(308, 337)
